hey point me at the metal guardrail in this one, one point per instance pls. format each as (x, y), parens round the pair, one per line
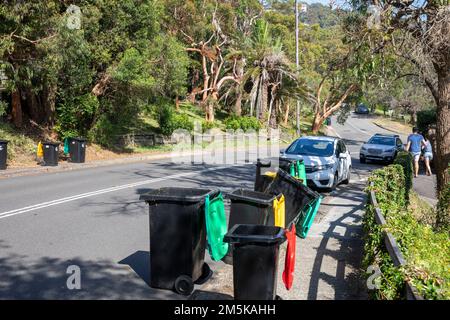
(393, 248)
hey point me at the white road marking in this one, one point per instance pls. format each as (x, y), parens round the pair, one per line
(99, 192)
(335, 132)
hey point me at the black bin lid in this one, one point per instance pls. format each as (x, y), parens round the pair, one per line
(51, 143)
(178, 194)
(252, 196)
(254, 233)
(80, 139)
(4, 141)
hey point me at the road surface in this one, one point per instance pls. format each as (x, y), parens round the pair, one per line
(92, 219)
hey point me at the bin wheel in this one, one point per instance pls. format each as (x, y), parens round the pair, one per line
(184, 285)
(277, 297)
(206, 274)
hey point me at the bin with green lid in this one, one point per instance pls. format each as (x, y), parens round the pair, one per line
(178, 237)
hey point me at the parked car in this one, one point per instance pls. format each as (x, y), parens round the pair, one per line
(362, 109)
(381, 147)
(327, 160)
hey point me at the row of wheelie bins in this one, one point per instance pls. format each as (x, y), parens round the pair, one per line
(76, 147)
(185, 222)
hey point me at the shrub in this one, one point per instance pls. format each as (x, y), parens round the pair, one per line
(425, 119)
(208, 125)
(405, 159)
(244, 123)
(75, 115)
(169, 121)
(427, 253)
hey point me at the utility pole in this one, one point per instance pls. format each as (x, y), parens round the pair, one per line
(297, 62)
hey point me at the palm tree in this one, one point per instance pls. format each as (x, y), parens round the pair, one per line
(270, 73)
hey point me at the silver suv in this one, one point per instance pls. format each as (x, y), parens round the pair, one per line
(381, 147)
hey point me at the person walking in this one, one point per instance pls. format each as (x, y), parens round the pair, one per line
(414, 146)
(427, 154)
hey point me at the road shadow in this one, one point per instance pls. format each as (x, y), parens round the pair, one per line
(209, 295)
(346, 248)
(47, 277)
(139, 262)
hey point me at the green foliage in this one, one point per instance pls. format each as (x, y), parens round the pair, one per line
(244, 123)
(443, 209)
(18, 142)
(426, 119)
(169, 121)
(76, 115)
(3, 107)
(405, 159)
(427, 253)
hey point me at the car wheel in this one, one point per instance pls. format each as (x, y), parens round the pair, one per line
(347, 180)
(362, 160)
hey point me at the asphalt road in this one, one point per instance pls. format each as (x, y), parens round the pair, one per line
(93, 219)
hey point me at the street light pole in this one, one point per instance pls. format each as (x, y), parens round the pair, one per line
(297, 61)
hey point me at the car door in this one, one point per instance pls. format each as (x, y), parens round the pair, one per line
(399, 144)
(341, 161)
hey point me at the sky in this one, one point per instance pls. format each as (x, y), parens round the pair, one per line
(324, 2)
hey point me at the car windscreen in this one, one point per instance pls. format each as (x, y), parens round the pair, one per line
(307, 147)
(385, 141)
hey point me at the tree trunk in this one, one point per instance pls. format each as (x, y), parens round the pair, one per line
(317, 123)
(34, 110)
(49, 100)
(209, 112)
(286, 115)
(209, 108)
(442, 151)
(177, 103)
(238, 105)
(16, 108)
(263, 100)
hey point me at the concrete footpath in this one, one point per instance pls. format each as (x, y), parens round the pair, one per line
(327, 261)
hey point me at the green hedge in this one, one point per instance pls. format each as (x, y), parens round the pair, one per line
(443, 209)
(405, 159)
(427, 253)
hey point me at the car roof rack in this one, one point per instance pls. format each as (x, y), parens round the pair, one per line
(387, 135)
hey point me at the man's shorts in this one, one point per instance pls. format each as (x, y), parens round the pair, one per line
(416, 156)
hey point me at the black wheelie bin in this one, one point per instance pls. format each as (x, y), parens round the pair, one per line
(255, 260)
(297, 195)
(77, 150)
(249, 207)
(262, 181)
(177, 237)
(3, 154)
(51, 156)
